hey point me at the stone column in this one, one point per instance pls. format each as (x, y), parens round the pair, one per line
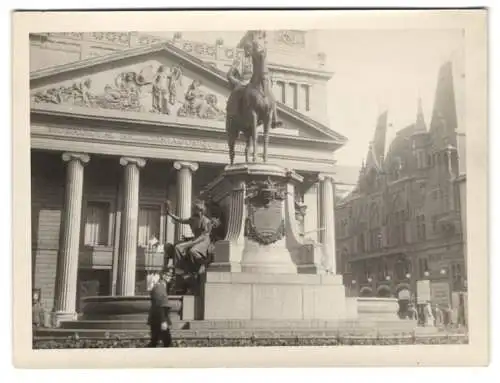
(67, 266)
(170, 225)
(327, 220)
(184, 194)
(125, 285)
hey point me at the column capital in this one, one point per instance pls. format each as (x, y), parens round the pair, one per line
(82, 157)
(193, 166)
(140, 162)
(326, 176)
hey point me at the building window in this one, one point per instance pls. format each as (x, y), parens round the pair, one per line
(383, 270)
(361, 243)
(375, 239)
(97, 219)
(402, 268)
(295, 96)
(366, 273)
(280, 85)
(434, 224)
(423, 267)
(421, 235)
(149, 225)
(305, 91)
(456, 272)
(402, 233)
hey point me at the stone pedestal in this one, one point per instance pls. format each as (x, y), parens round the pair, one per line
(263, 269)
(254, 296)
(257, 199)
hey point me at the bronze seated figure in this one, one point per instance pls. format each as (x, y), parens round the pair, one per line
(192, 255)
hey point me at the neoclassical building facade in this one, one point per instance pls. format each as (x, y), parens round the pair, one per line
(123, 122)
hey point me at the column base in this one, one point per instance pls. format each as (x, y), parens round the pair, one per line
(61, 316)
(253, 296)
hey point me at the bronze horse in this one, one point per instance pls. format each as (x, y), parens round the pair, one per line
(253, 104)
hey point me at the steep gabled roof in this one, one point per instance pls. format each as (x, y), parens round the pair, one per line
(186, 59)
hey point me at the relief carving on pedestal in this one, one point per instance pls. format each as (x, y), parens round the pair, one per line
(265, 224)
(147, 90)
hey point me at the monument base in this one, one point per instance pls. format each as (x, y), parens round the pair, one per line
(252, 296)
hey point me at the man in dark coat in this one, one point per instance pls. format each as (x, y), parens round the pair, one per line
(159, 320)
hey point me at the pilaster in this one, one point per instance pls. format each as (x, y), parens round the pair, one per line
(327, 219)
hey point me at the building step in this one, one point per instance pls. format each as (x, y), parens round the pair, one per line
(232, 333)
(235, 328)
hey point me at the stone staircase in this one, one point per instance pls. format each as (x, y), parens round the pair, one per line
(234, 328)
(126, 317)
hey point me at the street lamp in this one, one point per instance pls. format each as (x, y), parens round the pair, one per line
(408, 275)
(369, 279)
(426, 273)
(388, 278)
(443, 271)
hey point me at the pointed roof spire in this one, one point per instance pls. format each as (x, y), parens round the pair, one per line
(444, 114)
(420, 123)
(376, 150)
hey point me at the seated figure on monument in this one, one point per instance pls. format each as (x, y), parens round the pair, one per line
(191, 255)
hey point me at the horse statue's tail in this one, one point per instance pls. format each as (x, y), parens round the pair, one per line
(231, 139)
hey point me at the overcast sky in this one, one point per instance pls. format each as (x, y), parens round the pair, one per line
(376, 69)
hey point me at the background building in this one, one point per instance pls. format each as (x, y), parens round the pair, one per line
(402, 223)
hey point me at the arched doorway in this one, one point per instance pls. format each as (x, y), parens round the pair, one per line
(366, 292)
(384, 291)
(403, 294)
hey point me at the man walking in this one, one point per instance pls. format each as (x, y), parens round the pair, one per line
(159, 320)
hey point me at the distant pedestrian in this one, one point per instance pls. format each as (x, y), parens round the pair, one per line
(438, 316)
(447, 315)
(412, 312)
(37, 311)
(159, 319)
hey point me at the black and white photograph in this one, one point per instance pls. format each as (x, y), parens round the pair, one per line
(250, 188)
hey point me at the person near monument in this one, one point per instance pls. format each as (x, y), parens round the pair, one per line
(38, 312)
(412, 312)
(438, 316)
(191, 255)
(158, 320)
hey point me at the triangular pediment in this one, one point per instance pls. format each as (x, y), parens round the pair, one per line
(161, 81)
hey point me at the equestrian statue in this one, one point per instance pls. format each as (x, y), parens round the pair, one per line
(253, 104)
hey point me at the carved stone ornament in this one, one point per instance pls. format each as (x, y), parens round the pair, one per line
(262, 193)
(291, 37)
(147, 90)
(265, 224)
(200, 104)
(300, 211)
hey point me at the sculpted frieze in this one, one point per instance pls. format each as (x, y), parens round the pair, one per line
(291, 37)
(162, 90)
